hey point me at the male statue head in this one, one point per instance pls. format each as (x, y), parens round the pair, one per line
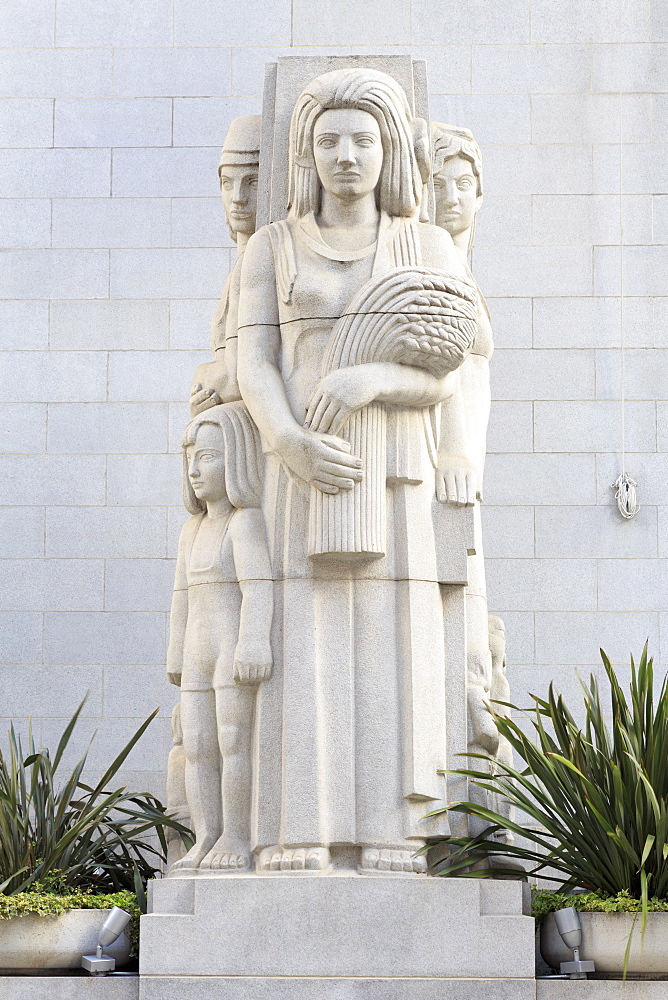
(457, 172)
(238, 173)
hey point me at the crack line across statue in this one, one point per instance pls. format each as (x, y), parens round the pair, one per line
(361, 409)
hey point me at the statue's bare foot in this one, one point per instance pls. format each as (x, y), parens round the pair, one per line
(195, 855)
(385, 859)
(293, 859)
(228, 854)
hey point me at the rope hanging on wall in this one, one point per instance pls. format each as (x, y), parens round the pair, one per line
(624, 486)
(625, 496)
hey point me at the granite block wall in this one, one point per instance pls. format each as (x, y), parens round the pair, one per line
(111, 119)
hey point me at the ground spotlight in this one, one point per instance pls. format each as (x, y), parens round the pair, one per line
(99, 964)
(570, 929)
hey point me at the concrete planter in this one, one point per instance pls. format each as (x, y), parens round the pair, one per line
(604, 939)
(35, 942)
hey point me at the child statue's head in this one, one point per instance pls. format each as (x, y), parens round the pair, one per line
(222, 457)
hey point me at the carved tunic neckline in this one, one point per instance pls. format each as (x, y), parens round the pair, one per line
(310, 233)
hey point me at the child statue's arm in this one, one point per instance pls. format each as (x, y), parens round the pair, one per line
(179, 613)
(252, 657)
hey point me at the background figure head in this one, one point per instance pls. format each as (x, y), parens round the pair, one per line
(457, 171)
(405, 166)
(238, 173)
(233, 460)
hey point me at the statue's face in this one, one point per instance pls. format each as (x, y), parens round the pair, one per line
(206, 464)
(456, 194)
(348, 152)
(238, 186)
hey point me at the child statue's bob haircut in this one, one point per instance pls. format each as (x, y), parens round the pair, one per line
(244, 461)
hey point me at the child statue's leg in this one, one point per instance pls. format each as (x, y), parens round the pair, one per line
(202, 772)
(235, 706)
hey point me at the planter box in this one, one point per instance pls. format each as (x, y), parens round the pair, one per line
(34, 942)
(604, 939)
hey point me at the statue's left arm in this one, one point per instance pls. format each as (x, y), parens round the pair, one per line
(464, 419)
(465, 413)
(252, 656)
(476, 390)
(398, 382)
(345, 390)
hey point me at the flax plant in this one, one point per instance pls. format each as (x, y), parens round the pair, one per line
(598, 795)
(86, 837)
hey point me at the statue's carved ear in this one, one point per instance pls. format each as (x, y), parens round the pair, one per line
(421, 147)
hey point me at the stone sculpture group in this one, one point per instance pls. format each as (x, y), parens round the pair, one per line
(335, 438)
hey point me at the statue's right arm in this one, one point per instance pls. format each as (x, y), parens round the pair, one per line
(179, 613)
(321, 460)
(258, 355)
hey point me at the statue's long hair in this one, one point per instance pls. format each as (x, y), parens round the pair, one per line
(451, 140)
(244, 461)
(405, 153)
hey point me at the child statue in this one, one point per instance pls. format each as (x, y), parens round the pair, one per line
(219, 649)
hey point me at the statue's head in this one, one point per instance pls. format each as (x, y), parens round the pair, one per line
(352, 132)
(457, 172)
(238, 172)
(222, 458)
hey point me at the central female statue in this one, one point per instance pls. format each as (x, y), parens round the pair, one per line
(350, 729)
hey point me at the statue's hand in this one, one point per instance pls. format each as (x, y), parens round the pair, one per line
(321, 460)
(174, 678)
(339, 394)
(252, 662)
(202, 399)
(456, 480)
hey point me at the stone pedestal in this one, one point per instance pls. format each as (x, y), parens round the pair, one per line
(69, 987)
(336, 937)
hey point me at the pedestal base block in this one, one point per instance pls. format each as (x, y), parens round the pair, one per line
(337, 937)
(250, 988)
